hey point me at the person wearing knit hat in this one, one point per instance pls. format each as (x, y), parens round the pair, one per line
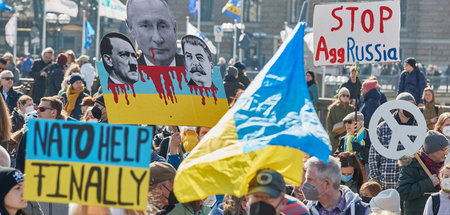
(61, 59)
(74, 96)
(371, 99)
(412, 80)
(388, 200)
(56, 75)
(11, 191)
(414, 181)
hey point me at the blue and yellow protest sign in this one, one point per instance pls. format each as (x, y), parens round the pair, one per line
(88, 163)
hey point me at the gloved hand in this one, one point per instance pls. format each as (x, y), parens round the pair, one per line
(356, 146)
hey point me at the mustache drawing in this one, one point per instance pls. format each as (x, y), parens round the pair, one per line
(197, 68)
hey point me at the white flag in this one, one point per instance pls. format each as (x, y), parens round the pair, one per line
(62, 6)
(11, 31)
(113, 9)
(285, 33)
(191, 30)
(309, 38)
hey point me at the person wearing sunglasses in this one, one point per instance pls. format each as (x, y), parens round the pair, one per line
(8, 93)
(336, 112)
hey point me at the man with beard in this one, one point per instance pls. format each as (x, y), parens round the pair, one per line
(153, 27)
(119, 59)
(198, 61)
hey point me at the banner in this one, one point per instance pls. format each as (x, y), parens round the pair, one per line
(89, 32)
(11, 31)
(62, 6)
(233, 9)
(192, 30)
(113, 9)
(346, 33)
(88, 163)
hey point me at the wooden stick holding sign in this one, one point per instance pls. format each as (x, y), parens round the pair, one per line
(425, 168)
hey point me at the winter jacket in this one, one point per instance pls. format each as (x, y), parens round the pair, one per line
(383, 170)
(383, 98)
(444, 204)
(336, 113)
(243, 79)
(363, 154)
(13, 97)
(17, 120)
(353, 204)
(413, 83)
(314, 94)
(231, 85)
(40, 82)
(371, 103)
(429, 112)
(76, 112)
(351, 87)
(414, 186)
(54, 80)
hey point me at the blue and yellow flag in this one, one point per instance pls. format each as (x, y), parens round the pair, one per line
(233, 9)
(270, 125)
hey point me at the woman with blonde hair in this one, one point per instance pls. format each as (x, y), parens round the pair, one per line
(336, 112)
(70, 57)
(430, 111)
(443, 124)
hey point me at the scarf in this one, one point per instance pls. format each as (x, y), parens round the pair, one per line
(350, 137)
(310, 83)
(72, 96)
(431, 164)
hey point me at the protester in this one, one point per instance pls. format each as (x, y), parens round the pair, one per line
(10, 65)
(86, 103)
(24, 105)
(231, 83)
(26, 66)
(353, 85)
(414, 183)
(443, 124)
(223, 66)
(324, 193)
(74, 68)
(231, 205)
(74, 96)
(353, 175)
(430, 111)
(8, 93)
(99, 109)
(70, 58)
(242, 77)
(312, 87)
(383, 98)
(2, 65)
(371, 100)
(369, 190)
(56, 75)
(5, 124)
(161, 186)
(358, 140)
(384, 170)
(439, 204)
(386, 200)
(87, 70)
(11, 192)
(336, 112)
(412, 80)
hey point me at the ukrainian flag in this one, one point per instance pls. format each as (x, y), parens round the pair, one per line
(270, 125)
(233, 9)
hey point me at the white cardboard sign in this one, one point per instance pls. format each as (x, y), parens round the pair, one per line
(399, 132)
(367, 32)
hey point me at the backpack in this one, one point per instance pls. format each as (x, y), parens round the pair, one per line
(436, 202)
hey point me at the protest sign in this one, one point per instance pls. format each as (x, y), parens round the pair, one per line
(400, 133)
(88, 163)
(366, 32)
(136, 93)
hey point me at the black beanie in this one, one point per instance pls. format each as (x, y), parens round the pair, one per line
(9, 177)
(75, 77)
(411, 61)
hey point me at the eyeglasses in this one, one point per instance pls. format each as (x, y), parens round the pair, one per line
(42, 108)
(8, 78)
(345, 95)
(348, 121)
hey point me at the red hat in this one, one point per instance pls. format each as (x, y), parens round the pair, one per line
(370, 85)
(61, 59)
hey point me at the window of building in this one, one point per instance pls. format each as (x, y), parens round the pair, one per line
(294, 10)
(207, 10)
(252, 10)
(403, 10)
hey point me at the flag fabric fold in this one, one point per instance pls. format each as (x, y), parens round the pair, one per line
(233, 9)
(193, 7)
(87, 35)
(62, 6)
(272, 123)
(11, 31)
(4, 6)
(192, 30)
(113, 9)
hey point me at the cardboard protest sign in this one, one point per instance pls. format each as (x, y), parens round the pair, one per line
(400, 133)
(136, 92)
(88, 163)
(367, 32)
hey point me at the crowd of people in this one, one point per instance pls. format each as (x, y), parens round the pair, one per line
(355, 180)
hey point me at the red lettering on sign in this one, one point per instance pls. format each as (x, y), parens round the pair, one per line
(333, 13)
(116, 89)
(371, 20)
(352, 9)
(382, 18)
(321, 47)
(205, 90)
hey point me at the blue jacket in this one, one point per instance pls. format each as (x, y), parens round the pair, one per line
(413, 83)
(371, 103)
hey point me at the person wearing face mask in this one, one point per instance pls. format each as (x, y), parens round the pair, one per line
(161, 186)
(24, 105)
(369, 190)
(99, 109)
(381, 169)
(415, 184)
(443, 124)
(352, 172)
(439, 203)
(324, 193)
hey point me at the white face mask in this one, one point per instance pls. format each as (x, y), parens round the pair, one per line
(92, 120)
(29, 109)
(446, 130)
(446, 184)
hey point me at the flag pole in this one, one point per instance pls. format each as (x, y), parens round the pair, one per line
(235, 40)
(83, 39)
(44, 28)
(15, 39)
(199, 9)
(97, 35)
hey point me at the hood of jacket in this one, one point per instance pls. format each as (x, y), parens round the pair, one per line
(405, 161)
(372, 94)
(230, 78)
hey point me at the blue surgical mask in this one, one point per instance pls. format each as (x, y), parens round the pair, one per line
(346, 178)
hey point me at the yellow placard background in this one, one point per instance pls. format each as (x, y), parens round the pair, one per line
(130, 196)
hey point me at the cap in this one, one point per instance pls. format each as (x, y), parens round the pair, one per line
(75, 77)
(411, 61)
(405, 96)
(267, 181)
(351, 116)
(83, 58)
(370, 84)
(386, 200)
(161, 171)
(9, 177)
(434, 141)
(240, 66)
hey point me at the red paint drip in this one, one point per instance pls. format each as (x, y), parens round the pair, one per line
(116, 89)
(153, 56)
(158, 74)
(205, 90)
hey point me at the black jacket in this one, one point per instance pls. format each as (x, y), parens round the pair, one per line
(17, 120)
(40, 82)
(76, 112)
(351, 87)
(371, 103)
(243, 79)
(13, 97)
(231, 85)
(54, 80)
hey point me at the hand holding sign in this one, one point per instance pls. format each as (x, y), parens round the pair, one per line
(399, 132)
